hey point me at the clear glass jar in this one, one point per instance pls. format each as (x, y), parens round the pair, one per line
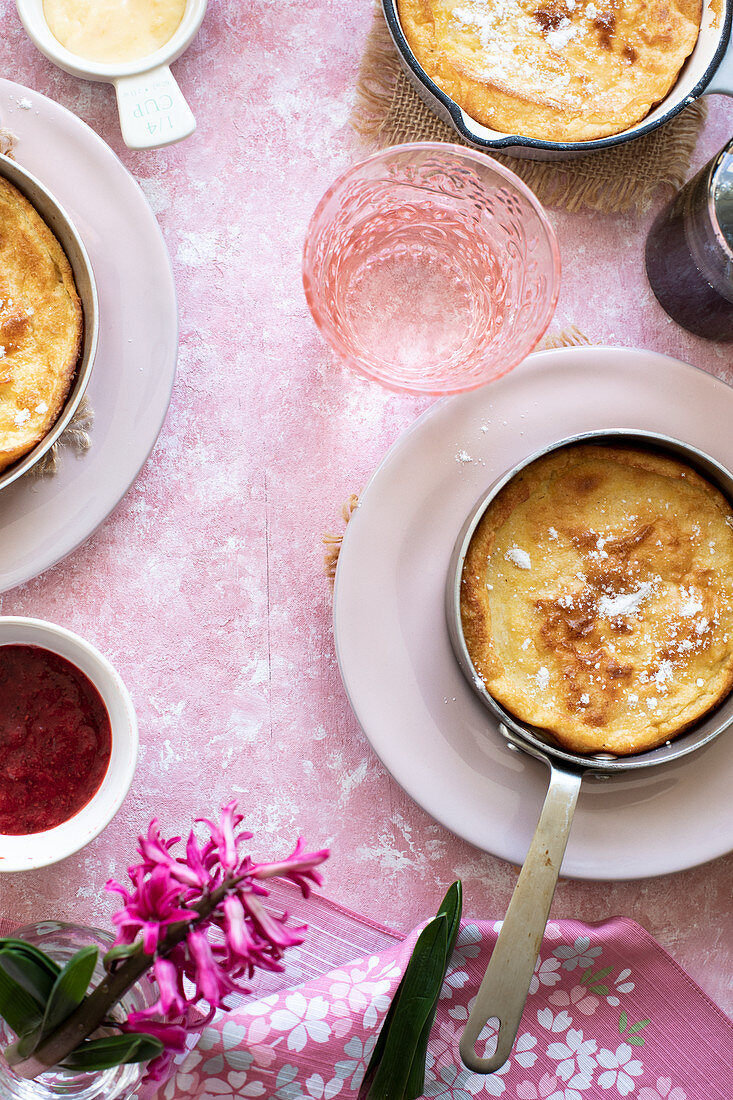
(61, 941)
(689, 252)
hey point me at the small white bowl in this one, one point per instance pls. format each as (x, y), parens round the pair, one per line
(22, 853)
(153, 112)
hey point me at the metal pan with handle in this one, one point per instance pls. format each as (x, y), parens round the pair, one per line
(503, 991)
(707, 70)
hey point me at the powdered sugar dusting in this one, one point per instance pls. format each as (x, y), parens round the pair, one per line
(543, 678)
(625, 603)
(692, 604)
(518, 557)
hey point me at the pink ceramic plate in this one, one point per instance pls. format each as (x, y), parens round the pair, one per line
(44, 519)
(412, 701)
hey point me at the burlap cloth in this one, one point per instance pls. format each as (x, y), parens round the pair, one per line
(626, 178)
(76, 434)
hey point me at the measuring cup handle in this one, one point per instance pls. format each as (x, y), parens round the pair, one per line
(152, 109)
(503, 991)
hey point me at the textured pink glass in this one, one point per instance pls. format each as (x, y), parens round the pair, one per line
(431, 268)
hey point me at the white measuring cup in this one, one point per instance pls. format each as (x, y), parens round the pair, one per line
(153, 112)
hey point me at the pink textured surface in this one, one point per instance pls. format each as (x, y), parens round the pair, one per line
(205, 588)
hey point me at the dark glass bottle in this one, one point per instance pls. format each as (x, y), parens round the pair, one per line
(689, 252)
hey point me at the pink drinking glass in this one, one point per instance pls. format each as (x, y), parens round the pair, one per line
(431, 268)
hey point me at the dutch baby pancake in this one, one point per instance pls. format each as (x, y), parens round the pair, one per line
(562, 70)
(597, 597)
(40, 326)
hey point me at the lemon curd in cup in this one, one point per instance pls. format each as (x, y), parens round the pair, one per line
(111, 31)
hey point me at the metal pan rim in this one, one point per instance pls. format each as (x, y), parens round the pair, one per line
(63, 228)
(533, 740)
(435, 95)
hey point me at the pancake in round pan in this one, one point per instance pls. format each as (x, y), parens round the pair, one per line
(40, 326)
(597, 598)
(562, 70)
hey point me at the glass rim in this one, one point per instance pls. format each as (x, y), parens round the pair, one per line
(331, 334)
(713, 181)
(474, 155)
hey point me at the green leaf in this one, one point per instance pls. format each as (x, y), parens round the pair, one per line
(639, 1026)
(17, 1007)
(602, 989)
(396, 1070)
(424, 972)
(32, 976)
(69, 988)
(451, 907)
(119, 953)
(586, 975)
(114, 1050)
(622, 1022)
(635, 1040)
(602, 973)
(35, 953)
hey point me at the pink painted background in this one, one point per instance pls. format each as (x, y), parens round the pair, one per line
(205, 587)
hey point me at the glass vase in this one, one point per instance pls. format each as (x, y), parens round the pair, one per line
(61, 941)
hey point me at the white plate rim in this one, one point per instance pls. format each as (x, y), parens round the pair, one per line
(24, 112)
(512, 849)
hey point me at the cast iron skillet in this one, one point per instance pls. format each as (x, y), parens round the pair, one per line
(504, 989)
(708, 69)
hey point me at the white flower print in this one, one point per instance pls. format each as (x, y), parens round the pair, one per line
(454, 979)
(550, 1022)
(304, 1019)
(234, 1086)
(619, 1069)
(548, 1088)
(545, 973)
(366, 989)
(575, 1058)
(524, 1050)
(259, 1027)
(663, 1091)
(455, 1084)
(287, 1086)
(578, 997)
(621, 985)
(187, 1079)
(355, 1065)
(580, 954)
(321, 1090)
(468, 944)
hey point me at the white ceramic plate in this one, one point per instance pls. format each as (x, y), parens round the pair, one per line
(409, 696)
(44, 519)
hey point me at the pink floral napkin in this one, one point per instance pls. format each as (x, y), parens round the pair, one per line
(609, 1015)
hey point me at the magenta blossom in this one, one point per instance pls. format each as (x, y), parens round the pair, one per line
(178, 901)
(151, 907)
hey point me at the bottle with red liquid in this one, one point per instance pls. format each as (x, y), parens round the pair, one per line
(689, 252)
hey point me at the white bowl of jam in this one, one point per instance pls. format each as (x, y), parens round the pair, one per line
(68, 743)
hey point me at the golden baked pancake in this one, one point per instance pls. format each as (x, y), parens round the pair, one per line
(597, 598)
(562, 70)
(40, 326)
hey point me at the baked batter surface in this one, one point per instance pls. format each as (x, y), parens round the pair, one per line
(40, 326)
(597, 598)
(562, 70)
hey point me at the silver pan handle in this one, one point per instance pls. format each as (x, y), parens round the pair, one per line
(503, 991)
(722, 79)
